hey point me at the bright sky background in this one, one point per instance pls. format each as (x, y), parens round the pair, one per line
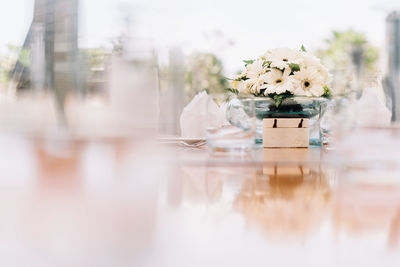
(253, 26)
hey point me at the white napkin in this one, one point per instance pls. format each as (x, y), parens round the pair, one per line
(194, 120)
(370, 110)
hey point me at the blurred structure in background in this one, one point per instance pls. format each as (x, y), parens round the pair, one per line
(92, 91)
(392, 80)
(53, 44)
(172, 98)
(134, 90)
(132, 80)
(93, 76)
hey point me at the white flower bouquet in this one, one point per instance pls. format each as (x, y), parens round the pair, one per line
(281, 73)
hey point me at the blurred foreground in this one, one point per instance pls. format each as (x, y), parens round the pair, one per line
(124, 203)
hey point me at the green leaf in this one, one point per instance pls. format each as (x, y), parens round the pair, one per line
(303, 48)
(267, 64)
(241, 79)
(248, 61)
(278, 99)
(232, 90)
(294, 67)
(327, 92)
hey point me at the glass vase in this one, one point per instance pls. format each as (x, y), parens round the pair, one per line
(293, 107)
(311, 108)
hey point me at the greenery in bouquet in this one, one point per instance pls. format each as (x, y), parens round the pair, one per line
(281, 73)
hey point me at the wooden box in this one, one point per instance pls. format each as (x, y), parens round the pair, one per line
(282, 132)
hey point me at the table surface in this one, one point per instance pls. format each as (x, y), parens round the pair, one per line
(131, 203)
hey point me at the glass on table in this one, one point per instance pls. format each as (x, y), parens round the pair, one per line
(230, 124)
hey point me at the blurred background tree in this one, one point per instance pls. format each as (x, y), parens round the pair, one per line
(203, 71)
(182, 79)
(348, 54)
(8, 60)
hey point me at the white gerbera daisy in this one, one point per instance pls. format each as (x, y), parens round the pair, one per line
(281, 57)
(310, 61)
(255, 85)
(309, 82)
(307, 60)
(325, 73)
(255, 69)
(277, 82)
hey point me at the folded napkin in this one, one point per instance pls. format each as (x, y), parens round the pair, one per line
(200, 113)
(370, 109)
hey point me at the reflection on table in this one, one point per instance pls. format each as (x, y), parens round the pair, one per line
(125, 202)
